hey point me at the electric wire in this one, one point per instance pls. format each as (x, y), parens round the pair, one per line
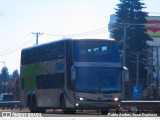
(154, 12)
(21, 43)
(15, 44)
(18, 46)
(93, 32)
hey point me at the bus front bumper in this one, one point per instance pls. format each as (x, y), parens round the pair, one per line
(88, 105)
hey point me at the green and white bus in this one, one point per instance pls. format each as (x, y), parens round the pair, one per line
(72, 74)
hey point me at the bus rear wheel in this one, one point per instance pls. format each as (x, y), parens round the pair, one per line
(33, 105)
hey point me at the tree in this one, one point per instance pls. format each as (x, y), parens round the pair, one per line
(130, 12)
(4, 79)
(15, 84)
(14, 74)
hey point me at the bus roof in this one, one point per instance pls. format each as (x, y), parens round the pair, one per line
(69, 39)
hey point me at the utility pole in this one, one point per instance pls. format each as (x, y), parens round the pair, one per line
(137, 69)
(37, 34)
(137, 66)
(124, 43)
(149, 66)
(151, 81)
(157, 70)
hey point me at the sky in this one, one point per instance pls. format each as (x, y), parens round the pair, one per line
(56, 19)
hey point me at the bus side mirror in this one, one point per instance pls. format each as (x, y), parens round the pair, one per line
(126, 74)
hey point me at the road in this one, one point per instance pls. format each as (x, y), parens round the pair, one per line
(58, 113)
(55, 113)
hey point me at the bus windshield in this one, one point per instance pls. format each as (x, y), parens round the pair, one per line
(98, 79)
(96, 51)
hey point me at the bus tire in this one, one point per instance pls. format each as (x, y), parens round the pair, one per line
(42, 110)
(64, 108)
(28, 99)
(104, 112)
(117, 111)
(33, 105)
(62, 104)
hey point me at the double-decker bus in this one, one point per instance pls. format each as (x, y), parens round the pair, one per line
(72, 74)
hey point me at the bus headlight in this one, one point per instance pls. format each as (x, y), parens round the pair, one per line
(77, 104)
(115, 99)
(81, 98)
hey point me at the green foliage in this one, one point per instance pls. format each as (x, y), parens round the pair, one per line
(4, 76)
(130, 12)
(6, 80)
(14, 74)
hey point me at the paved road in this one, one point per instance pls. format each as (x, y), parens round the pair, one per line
(58, 113)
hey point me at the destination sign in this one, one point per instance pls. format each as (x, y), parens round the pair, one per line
(97, 64)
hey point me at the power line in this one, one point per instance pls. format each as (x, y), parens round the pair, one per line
(54, 35)
(15, 44)
(97, 31)
(13, 49)
(154, 12)
(93, 32)
(19, 44)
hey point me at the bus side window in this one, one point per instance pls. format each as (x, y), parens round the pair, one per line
(60, 50)
(89, 50)
(104, 48)
(24, 59)
(96, 49)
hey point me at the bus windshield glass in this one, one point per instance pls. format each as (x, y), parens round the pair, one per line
(98, 79)
(96, 51)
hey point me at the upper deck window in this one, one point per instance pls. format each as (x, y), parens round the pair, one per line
(96, 51)
(43, 53)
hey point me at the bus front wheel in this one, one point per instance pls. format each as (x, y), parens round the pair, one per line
(62, 104)
(64, 108)
(104, 112)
